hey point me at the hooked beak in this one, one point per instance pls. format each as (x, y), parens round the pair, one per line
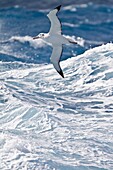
(35, 37)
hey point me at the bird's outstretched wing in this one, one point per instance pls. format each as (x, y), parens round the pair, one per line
(55, 59)
(55, 22)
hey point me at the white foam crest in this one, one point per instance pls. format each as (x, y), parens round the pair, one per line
(73, 8)
(70, 7)
(34, 43)
(69, 24)
(50, 118)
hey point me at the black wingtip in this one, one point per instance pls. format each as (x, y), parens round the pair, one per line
(58, 7)
(61, 73)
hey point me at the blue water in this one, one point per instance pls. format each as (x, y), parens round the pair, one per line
(50, 123)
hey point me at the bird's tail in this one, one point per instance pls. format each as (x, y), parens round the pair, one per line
(71, 40)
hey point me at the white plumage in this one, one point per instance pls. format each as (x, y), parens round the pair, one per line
(55, 23)
(56, 39)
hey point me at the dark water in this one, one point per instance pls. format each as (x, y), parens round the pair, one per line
(50, 123)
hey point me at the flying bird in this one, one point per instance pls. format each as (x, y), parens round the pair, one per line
(55, 39)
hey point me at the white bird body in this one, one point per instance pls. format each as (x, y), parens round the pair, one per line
(55, 39)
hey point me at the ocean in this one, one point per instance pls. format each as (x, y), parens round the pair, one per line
(47, 122)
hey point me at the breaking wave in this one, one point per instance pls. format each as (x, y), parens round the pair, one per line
(47, 122)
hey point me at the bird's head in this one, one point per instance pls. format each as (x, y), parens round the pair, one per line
(41, 35)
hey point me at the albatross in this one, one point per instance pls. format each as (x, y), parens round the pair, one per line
(55, 39)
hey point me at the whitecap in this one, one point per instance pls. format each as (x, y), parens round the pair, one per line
(34, 43)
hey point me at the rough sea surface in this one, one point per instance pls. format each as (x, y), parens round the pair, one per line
(47, 122)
